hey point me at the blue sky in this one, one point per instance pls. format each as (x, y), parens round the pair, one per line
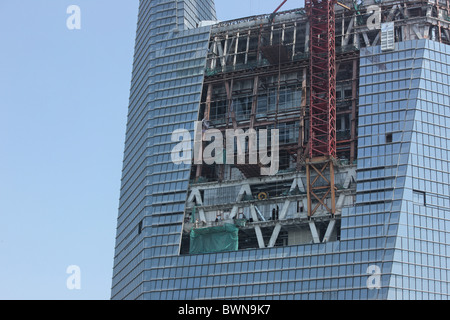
(63, 106)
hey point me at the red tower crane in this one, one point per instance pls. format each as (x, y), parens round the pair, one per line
(322, 105)
(276, 10)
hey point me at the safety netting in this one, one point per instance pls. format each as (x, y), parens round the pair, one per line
(214, 239)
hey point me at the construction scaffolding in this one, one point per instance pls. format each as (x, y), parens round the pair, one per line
(296, 71)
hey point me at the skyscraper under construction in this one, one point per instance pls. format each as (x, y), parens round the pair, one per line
(357, 205)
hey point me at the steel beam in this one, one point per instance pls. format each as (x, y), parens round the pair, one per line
(258, 232)
(314, 233)
(330, 229)
(274, 237)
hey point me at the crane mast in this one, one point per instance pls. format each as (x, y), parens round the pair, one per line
(322, 106)
(320, 163)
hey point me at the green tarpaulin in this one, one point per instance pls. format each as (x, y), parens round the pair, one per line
(214, 239)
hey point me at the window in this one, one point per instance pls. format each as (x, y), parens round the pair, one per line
(140, 227)
(419, 197)
(388, 137)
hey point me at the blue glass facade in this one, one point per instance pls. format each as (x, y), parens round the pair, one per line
(398, 228)
(403, 162)
(164, 96)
